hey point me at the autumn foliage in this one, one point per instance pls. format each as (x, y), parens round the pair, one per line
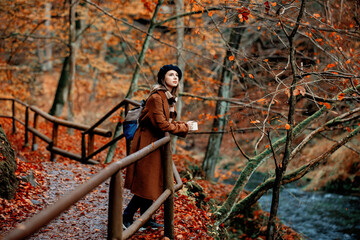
(320, 75)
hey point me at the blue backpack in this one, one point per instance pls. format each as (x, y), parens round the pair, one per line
(131, 122)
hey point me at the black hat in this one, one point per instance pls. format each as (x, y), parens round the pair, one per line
(164, 69)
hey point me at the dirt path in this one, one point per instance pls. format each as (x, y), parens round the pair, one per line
(87, 219)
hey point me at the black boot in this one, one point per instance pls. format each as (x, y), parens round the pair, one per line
(127, 221)
(130, 210)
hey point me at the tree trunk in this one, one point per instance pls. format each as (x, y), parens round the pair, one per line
(135, 76)
(48, 64)
(61, 90)
(64, 87)
(72, 61)
(180, 61)
(280, 170)
(8, 181)
(214, 143)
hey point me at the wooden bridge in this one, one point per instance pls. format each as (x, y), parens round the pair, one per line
(115, 229)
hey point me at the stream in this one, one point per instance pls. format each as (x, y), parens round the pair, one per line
(316, 215)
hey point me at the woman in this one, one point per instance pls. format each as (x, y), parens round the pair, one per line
(145, 177)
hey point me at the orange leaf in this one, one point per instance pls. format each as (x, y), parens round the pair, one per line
(231, 58)
(316, 15)
(256, 121)
(287, 126)
(210, 14)
(327, 105)
(266, 60)
(250, 75)
(261, 100)
(341, 96)
(331, 65)
(225, 19)
(274, 4)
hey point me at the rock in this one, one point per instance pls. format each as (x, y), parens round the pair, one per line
(8, 180)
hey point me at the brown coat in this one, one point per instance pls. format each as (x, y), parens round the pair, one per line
(145, 177)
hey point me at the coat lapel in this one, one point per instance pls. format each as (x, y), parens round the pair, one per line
(166, 104)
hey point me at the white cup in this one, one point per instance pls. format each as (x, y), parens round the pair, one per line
(193, 126)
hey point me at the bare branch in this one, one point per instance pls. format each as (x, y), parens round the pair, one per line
(237, 144)
(272, 149)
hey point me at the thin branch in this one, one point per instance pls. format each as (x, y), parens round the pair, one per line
(237, 144)
(333, 140)
(302, 9)
(272, 149)
(189, 14)
(237, 102)
(328, 100)
(113, 17)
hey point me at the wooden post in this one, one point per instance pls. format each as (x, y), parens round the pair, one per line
(168, 184)
(115, 221)
(90, 143)
(83, 147)
(34, 144)
(26, 137)
(54, 140)
(13, 117)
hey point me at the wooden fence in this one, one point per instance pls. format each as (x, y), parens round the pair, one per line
(113, 171)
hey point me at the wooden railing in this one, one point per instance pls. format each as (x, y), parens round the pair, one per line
(53, 141)
(87, 150)
(113, 171)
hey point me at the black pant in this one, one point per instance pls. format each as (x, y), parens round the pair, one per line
(135, 203)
